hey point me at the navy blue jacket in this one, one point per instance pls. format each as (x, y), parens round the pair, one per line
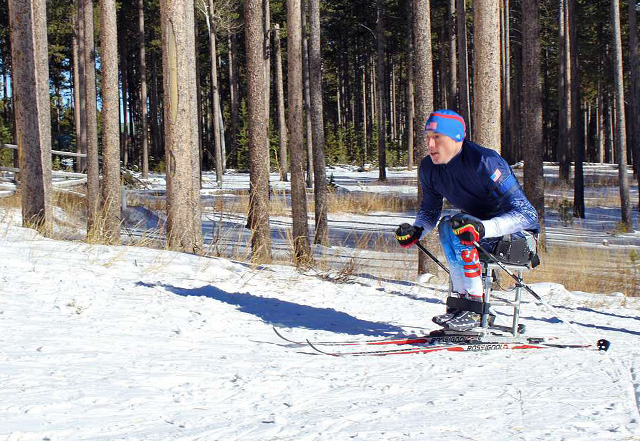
(479, 182)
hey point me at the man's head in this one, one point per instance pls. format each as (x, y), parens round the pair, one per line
(445, 131)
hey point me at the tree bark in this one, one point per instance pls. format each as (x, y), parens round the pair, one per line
(382, 102)
(577, 147)
(532, 148)
(295, 92)
(486, 76)
(423, 93)
(91, 123)
(258, 134)
(215, 105)
(620, 128)
(321, 235)
(306, 97)
(144, 131)
(463, 66)
(28, 33)
(634, 105)
(282, 122)
(564, 102)
(111, 188)
(184, 219)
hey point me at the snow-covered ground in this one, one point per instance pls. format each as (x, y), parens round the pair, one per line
(125, 343)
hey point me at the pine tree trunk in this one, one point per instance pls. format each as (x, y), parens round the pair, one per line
(144, 131)
(486, 75)
(80, 162)
(91, 122)
(28, 31)
(577, 148)
(564, 101)
(381, 98)
(321, 235)
(453, 57)
(463, 66)
(258, 134)
(184, 220)
(215, 105)
(634, 105)
(410, 91)
(282, 122)
(306, 98)
(620, 129)
(295, 93)
(111, 202)
(532, 139)
(234, 97)
(423, 60)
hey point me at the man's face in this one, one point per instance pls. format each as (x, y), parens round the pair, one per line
(441, 148)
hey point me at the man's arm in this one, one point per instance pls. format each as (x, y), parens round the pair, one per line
(517, 212)
(430, 205)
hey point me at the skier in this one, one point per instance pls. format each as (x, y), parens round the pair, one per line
(495, 210)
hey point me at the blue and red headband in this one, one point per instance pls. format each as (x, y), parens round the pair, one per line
(446, 122)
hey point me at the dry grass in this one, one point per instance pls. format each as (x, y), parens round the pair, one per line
(586, 269)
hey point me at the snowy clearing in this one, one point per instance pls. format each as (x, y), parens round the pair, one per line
(125, 343)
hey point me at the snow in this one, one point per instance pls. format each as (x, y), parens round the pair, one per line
(127, 343)
(112, 343)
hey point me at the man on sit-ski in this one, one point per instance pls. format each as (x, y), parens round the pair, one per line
(479, 182)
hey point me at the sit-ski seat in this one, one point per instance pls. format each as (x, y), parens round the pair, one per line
(516, 257)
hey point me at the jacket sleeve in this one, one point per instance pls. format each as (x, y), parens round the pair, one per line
(431, 204)
(517, 212)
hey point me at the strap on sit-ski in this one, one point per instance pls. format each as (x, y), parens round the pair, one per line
(468, 305)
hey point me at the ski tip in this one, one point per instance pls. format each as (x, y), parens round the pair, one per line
(603, 344)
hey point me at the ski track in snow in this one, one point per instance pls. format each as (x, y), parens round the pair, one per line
(124, 343)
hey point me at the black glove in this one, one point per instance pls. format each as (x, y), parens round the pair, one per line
(469, 229)
(407, 235)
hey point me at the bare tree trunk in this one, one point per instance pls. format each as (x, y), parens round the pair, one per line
(577, 148)
(282, 122)
(532, 109)
(234, 97)
(508, 148)
(321, 235)
(156, 130)
(81, 104)
(267, 57)
(91, 121)
(28, 31)
(382, 102)
(486, 75)
(258, 134)
(424, 93)
(215, 105)
(463, 69)
(621, 139)
(306, 97)
(410, 91)
(634, 105)
(564, 110)
(184, 219)
(298, 195)
(453, 58)
(80, 162)
(111, 202)
(144, 131)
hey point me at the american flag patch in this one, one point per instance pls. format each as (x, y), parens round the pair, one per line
(432, 125)
(496, 175)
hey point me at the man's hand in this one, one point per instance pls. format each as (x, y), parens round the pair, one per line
(469, 229)
(407, 235)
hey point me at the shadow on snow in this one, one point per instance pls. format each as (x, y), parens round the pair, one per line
(281, 313)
